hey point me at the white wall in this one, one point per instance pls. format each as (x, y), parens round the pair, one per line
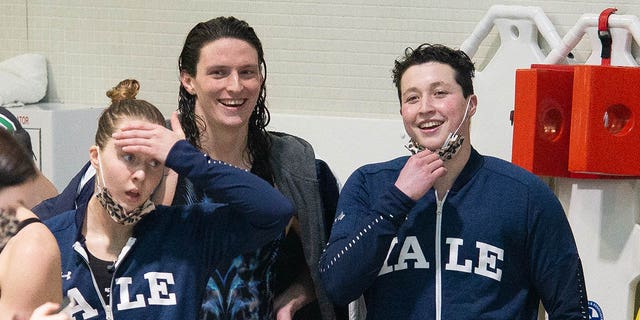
(330, 56)
(346, 143)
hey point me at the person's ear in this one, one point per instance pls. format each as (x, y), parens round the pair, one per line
(93, 157)
(473, 105)
(187, 82)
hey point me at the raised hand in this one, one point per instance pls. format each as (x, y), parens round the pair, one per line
(420, 173)
(138, 136)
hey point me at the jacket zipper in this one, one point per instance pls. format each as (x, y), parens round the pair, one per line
(77, 246)
(123, 253)
(438, 244)
(125, 250)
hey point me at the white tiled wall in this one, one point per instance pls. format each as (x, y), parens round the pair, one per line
(329, 56)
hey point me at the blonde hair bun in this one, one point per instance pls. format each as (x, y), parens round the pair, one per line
(125, 90)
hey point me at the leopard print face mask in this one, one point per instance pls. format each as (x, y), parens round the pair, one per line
(116, 211)
(413, 146)
(8, 227)
(450, 147)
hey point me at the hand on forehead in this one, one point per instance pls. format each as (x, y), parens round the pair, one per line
(148, 138)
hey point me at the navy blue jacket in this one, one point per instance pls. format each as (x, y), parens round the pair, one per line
(497, 245)
(69, 199)
(161, 272)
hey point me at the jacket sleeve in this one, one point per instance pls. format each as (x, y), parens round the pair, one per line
(361, 235)
(555, 263)
(264, 209)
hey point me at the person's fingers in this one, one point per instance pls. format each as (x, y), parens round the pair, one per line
(45, 309)
(175, 124)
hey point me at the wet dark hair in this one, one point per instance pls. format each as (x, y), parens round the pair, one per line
(201, 34)
(16, 164)
(457, 59)
(125, 104)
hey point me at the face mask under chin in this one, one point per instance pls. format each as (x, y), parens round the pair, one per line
(449, 148)
(118, 213)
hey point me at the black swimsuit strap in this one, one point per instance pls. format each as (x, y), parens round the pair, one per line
(27, 222)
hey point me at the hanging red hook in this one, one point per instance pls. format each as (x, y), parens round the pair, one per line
(605, 35)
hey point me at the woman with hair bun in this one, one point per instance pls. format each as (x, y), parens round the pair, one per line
(124, 257)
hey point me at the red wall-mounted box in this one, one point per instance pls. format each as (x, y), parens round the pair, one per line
(542, 119)
(560, 127)
(604, 135)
